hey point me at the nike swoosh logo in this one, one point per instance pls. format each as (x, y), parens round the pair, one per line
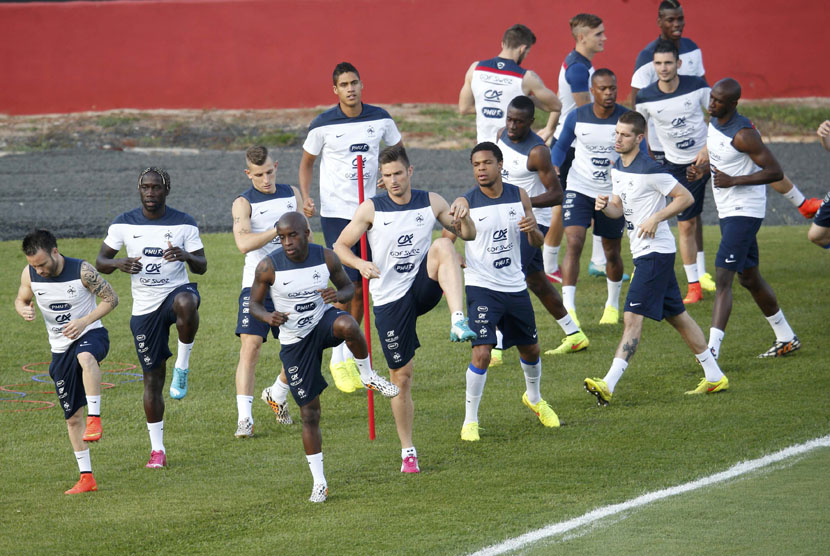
(387, 223)
(482, 218)
(263, 211)
(660, 110)
(585, 133)
(136, 237)
(286, 283)
(339, 136)
(40, 293)
(728, 260)
(634, 304)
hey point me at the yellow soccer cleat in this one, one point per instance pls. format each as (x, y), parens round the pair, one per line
(598, 387)
(610, 315)
(706, 387)
(573, 318)
(496, 357)
(571, 344)
(469, 432)
(354, 373)
(342, 378)
(543, 411)
(707, 283)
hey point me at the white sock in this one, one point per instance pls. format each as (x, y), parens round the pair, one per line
(710, 366)
(183, 357)
(795, 196)
(597, 252)
(533, 375)
(701, 263)
(279, 391)
(550, 256)
(715, 340)
(456, 316)
(315, 464)
(499, 339)
(475, 388)
(156, 436)
(568, 297)
(409, 452)
(779, 324)
(614, 289)
(93, 406)
(616, 371)
(691, 273)
(365, 368)
(243, 407)
(337, 354)
(568, 325)
(347, 353)
(84, 463)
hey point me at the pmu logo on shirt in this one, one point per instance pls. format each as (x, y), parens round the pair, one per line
(403, 268)
(492, 95)
(685, 144)
(490, 112)
(359, 148)
(60, 306)
(500, 235)
(502, 263)
(153, 251)
(602, 162)
(305, 307)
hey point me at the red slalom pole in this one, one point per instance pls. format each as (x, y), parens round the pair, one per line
(367, 330)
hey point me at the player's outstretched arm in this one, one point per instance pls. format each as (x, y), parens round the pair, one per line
(528, 223)
(107, 263)
(306, 172)
(455, 219)
(245, 239)
(97, 285)
(539, 161)
(466, 101)
(24, 302)
(361, 221)
(338, 277)
(264, 279)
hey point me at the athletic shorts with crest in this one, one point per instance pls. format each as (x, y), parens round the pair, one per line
(247, 324)
(511, 312)
(302, 360)
(654, 292)
(738, 247)
(67, 373)
(396, 321)
(151, 332)
(822, 217)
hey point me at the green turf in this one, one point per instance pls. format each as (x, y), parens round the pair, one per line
(249, 496)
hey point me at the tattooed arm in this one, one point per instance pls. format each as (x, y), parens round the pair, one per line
(97, 285)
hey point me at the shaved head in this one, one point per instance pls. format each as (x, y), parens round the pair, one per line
(293, 221)
(730, 88)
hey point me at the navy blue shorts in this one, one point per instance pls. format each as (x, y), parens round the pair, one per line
(302, 360)
(67, 373)
(151, 332)
(510, 312)
(531, 256)
(654, 292)
(658, 156)
(566, 164)
(738, 245)
(332, 227)
(578, 210)
(697, 188)
(395, 321)
(246, 324)
(822, 217)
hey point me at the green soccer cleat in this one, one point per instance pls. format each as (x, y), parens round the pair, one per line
(469, 432)
(496, 357)
(610, 315)
(571, 344)
(597, 387)
(543, 411)
(706, 387)
(342, 377)
(707, 283)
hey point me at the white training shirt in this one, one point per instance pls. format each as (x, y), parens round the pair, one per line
(643, 186)
(515, 171)
(678, 117)
(63, 298)
(148, 239)
(340, 139)
(495, 83)
(400, 238)
(266, 210)
(743, 200)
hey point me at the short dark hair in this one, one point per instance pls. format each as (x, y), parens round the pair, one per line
(635, 120)
(602, 72)
(341, 68)
(393, 154)
(488, 146)
(256, 156)
(590, 21)
(668, 5)
(165, 177)
(663, 46)
(39, 239)
(524, 104)
(518, 35)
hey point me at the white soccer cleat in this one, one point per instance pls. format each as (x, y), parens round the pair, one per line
(381, 385)
(319, 493)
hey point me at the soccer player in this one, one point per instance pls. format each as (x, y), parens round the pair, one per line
(676, 104)
(819, 232)
(338, 136)
(590, 129)
(161, 243)
(741, 166)
(66, 289)
(574, 91)
(408, 274)
(640, 186)
(495, 285)
(490, 85)
(255, 213)
(297, 277)
(527, 165)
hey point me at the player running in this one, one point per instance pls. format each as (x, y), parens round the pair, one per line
(640, 187)
(161, 243)
(65, 290)
(408, 274)
(296, 277)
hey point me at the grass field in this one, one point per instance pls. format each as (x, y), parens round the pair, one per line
(223, 495)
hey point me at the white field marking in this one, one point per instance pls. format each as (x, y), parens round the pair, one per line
(606, 511)
(161, 150)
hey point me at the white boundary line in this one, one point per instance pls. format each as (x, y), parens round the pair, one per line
(606, 511)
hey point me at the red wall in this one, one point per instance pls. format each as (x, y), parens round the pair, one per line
(82, 56)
